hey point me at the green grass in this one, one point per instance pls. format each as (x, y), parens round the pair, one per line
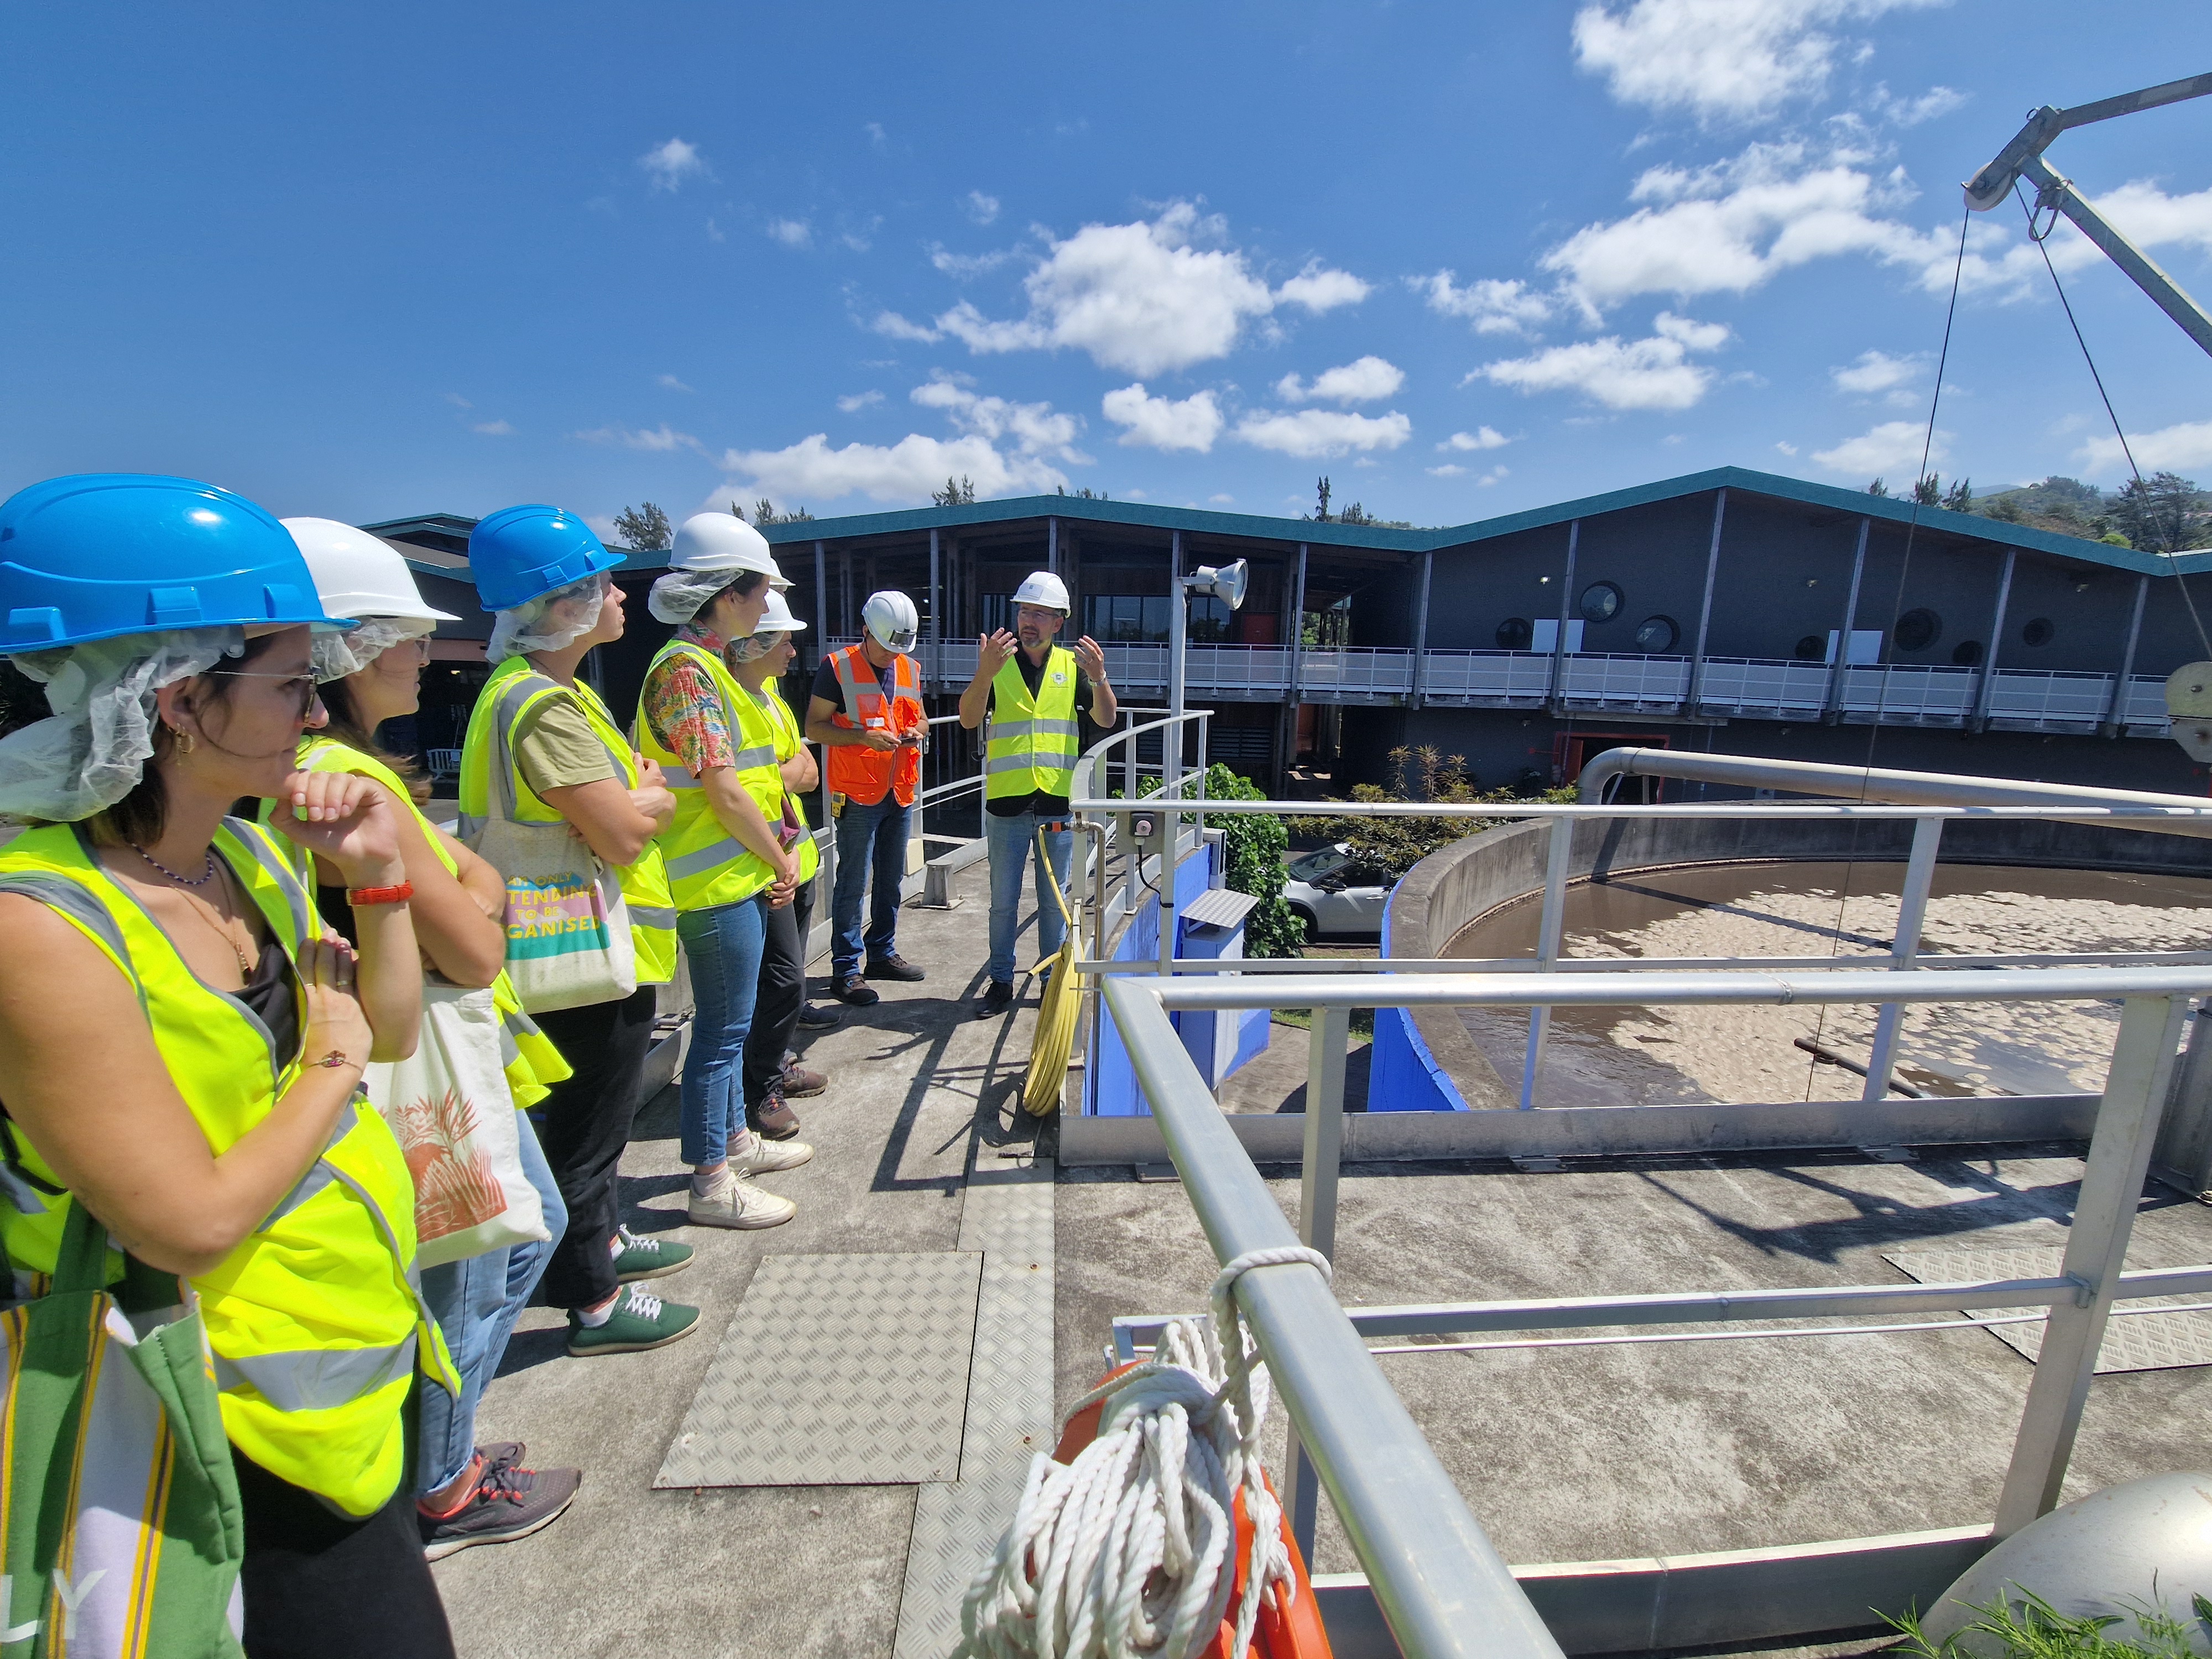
(1363, 1021)
(2034, 1629)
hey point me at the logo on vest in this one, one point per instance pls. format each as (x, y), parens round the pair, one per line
(1059, 679)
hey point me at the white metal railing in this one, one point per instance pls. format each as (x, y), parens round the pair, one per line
(1510, 676)
(1898, 689)
(1356, 668)
(1785, 684)
(2145, 704)
(1624, 680)
(2051, 695)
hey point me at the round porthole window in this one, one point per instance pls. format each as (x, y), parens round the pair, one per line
(2039, 632)
(1514, 634)
(1812, 648)
(1918, 629)
(1656, 635)
(1601, 602)
(1967, 654)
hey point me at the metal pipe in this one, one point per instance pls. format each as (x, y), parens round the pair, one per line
(1294, 966)
(2116, 715)
(1697, 686)
(1549, 928)
(1558, 686)
(2096, 1245)
(1442, 1588)
(1326, 1053)
(1421, 625)
(1912, 913)
(2056, 191)
(1869, 783)
(1986, 687)
(1831, 703)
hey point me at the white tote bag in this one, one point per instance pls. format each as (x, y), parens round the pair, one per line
(454, 1115)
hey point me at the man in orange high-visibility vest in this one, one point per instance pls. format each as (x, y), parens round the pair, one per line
(868, 714)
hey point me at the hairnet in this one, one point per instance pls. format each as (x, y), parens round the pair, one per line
(753, 646)
(681, 595)
(92, 750)
(549, 622)
(336, 655)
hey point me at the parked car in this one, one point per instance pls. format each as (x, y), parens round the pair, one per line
(1333, 894)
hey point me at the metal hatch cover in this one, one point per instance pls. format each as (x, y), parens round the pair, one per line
(2139, 1342)
(836, 1370)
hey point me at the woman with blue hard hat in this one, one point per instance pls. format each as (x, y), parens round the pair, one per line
(182, 1042)
(544, 573)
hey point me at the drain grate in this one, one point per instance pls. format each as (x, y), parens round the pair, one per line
(2139, 1342)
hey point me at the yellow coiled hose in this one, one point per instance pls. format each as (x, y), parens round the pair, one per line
(1056, 1015)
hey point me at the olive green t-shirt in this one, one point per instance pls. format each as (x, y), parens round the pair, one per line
(556, 748)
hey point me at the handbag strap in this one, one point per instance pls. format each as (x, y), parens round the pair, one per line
(81, 1263)
(514, 701)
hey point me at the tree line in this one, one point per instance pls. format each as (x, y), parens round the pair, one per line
(2165, 513)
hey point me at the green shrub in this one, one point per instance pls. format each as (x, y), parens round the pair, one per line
(1388, 847)
(2034, 1629)
(1252, 847)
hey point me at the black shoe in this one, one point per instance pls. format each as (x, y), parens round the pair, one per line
(997, 996)
(894, 966)
(853, 990)
(813, 1016)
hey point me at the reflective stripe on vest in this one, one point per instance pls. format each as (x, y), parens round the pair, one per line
(488, 770)
(708, 866)
(1031, 743)
(857, 772)
(788, 742)
(328, 1276)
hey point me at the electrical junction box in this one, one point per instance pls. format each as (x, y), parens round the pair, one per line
(1212, 929)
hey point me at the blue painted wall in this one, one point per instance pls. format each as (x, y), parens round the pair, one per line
(1403, 1075)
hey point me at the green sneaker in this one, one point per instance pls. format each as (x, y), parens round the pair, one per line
(639, 1319)
(648, 1258)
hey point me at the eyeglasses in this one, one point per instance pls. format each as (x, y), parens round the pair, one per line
(303, 684)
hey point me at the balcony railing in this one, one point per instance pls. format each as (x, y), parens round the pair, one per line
(1503, 677)
(1765, 685)
(1624, 682)
(1902, 691)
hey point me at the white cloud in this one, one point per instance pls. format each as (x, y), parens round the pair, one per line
(715, 232)
(1448, 470)
(1892, 447)
(1878, 374)
(1145, 297)
(904, 471)
(792, 232)
(1720, 60)
(1365, 381)
(667, 166)
(2151, 218)
(1193, 422)
(1319, 288)
(980, 208)
(875, 131)
(1483, 437)
(1655, 373)
(1035, 429)
(660, 438)
(1786, 448)
(859, 401)
(2170, 448)
(671, 382)
(1912, 112)
(459, 401)
(1491, 477)
(1221, 501)
(967, 264)
(1314, 433)
(894, 326)
(494, 429)
(1492, 306)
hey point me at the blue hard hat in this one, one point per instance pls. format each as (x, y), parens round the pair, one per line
(96, 555)
(521, 553)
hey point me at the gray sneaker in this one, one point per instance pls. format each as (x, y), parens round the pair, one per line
(743, 1206)
(509, 1503)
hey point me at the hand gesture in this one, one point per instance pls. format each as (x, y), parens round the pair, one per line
(875, 738)
(1091, 660)
(335, 1023)
(347, 820)
(649, 775)
(994, 651)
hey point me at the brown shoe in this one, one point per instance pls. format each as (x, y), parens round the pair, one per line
(799, 1083)
(771, 1117)
(854, 991)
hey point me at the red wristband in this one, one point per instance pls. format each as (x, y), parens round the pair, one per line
(358, 897)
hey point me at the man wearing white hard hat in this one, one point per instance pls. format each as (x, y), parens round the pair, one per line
(866, 713)
(1031, 689)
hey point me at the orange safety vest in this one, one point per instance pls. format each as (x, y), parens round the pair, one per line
(857, 772)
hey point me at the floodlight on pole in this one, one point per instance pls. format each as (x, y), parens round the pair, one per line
(1226, 583)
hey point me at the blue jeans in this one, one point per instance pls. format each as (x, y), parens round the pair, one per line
(867, 836)
(475, 1303)
(723, 945)
(1011, 840)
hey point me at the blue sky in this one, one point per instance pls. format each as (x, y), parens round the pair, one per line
(361, 262)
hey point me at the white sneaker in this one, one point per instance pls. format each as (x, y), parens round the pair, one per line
(741, 1204)
(755, 1154)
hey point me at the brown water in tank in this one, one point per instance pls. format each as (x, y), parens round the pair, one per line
(1846, 913)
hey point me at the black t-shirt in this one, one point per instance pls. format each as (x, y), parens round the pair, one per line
(1037, 801)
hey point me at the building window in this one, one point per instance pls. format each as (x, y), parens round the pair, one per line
(1514, 634)
(1918, 629)
(1656, 635)
(1812, 648)
(2039, 632)
(1129, 618)
(1601, 602)
(1967, 654)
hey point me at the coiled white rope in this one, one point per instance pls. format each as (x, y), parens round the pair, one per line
(1125, 1552)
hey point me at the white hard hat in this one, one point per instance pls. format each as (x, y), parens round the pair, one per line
(777, 618)
(722, 541)
(891, 617)
(1042, 587)
(356, 574)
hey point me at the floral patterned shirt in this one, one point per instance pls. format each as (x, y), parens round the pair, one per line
(682, 709)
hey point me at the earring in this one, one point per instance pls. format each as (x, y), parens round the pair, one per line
(185, 741)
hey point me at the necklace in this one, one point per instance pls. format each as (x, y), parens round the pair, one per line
(213, 919)
(204, 878)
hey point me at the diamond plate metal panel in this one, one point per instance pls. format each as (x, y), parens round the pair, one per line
(2135, 1342)
(1007, 1215)
(836, 1370)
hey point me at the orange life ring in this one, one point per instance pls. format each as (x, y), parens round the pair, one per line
(1290, 1627)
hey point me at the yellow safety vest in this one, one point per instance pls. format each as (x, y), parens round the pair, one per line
(788, 739)
(706, 865)
(532, 1063)
(1031, 743)
(515, 688)
(315, 1319)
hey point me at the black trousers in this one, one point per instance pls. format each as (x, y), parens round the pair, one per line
(318, 1586)
(782, 994)
(587, 1125)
